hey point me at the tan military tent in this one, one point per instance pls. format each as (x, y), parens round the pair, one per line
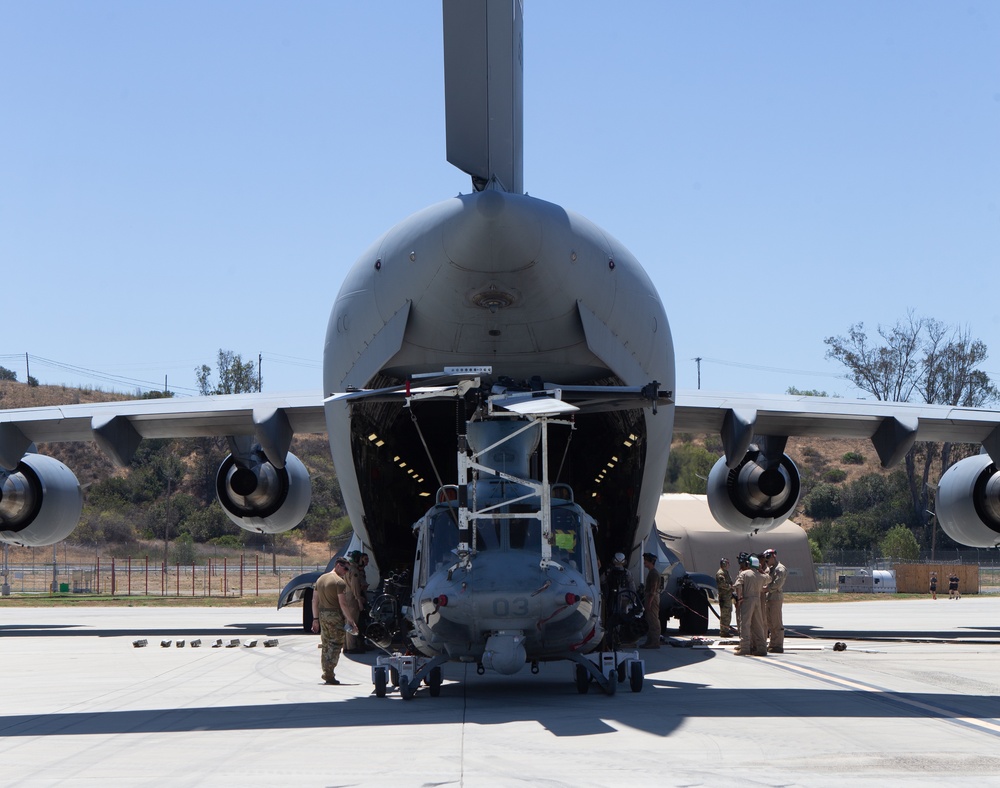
(687, 527)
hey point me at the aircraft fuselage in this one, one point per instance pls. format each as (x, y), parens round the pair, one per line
(533, 290)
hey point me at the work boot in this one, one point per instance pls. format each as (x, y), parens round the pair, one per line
(778, 650)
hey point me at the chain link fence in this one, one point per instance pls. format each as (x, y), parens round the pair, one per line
(246, 576)
(857, 562)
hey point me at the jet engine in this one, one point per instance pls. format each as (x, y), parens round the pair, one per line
(260, 497)
(40, 502)
(968, 502)
(757, 495)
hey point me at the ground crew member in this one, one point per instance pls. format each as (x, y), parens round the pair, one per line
(651, 600)
(953, 587)
(748, 587)
(933, 585)
(355, 600)
(724, 582)
(330, 606)
(775, 599)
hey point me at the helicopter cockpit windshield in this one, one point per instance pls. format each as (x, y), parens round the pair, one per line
(505, 533)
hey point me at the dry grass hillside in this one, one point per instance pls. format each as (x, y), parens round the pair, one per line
(823, 454)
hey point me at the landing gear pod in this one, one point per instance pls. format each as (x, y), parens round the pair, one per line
(40, 502)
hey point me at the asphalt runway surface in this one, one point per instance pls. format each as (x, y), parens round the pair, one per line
(914, 698)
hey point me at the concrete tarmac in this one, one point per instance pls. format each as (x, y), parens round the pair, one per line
(914, 698)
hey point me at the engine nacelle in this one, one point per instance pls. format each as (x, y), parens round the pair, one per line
(40, 502)
(753, 497)
(262, 498)
(968, 502)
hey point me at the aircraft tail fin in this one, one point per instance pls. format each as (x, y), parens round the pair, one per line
(483, 83)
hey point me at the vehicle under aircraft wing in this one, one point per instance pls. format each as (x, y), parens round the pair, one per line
(498, 380)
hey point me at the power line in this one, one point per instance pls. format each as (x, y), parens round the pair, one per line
(780, 370)
(120, 380)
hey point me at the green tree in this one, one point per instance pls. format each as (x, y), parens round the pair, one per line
(236, 376)
(900, 544)
(888, 370)
(184, 551)
(687, 469)
(207, 523)
(808, 393)
(7, 374)
(918, 357)
(823, 502)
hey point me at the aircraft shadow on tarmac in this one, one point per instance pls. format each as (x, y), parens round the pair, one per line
(551, 701)
(560, 711)
(227, 630)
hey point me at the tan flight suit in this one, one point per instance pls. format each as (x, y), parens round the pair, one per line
(748, 587)
(725, 585)
(775, 599)
(329, 587)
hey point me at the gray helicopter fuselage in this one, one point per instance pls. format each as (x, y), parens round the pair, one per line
(503, 605)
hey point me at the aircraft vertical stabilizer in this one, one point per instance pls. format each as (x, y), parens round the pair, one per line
(483, 82)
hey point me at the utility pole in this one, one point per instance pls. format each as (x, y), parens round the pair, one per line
(698, 362)
(27, 369)
(260, 358)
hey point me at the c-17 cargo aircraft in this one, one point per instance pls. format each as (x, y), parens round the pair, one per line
(498, 391)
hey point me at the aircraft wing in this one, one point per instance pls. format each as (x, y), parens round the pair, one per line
(119, 426)
(891, 426)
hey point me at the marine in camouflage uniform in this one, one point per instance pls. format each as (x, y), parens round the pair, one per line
(725, 585)
(330, 613)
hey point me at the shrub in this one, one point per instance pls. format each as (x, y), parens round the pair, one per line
(229, 540)
(835, 475)
(853, 458)
(823, 503)
(900, 543)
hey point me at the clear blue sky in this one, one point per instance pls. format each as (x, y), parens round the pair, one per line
(181, 177)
